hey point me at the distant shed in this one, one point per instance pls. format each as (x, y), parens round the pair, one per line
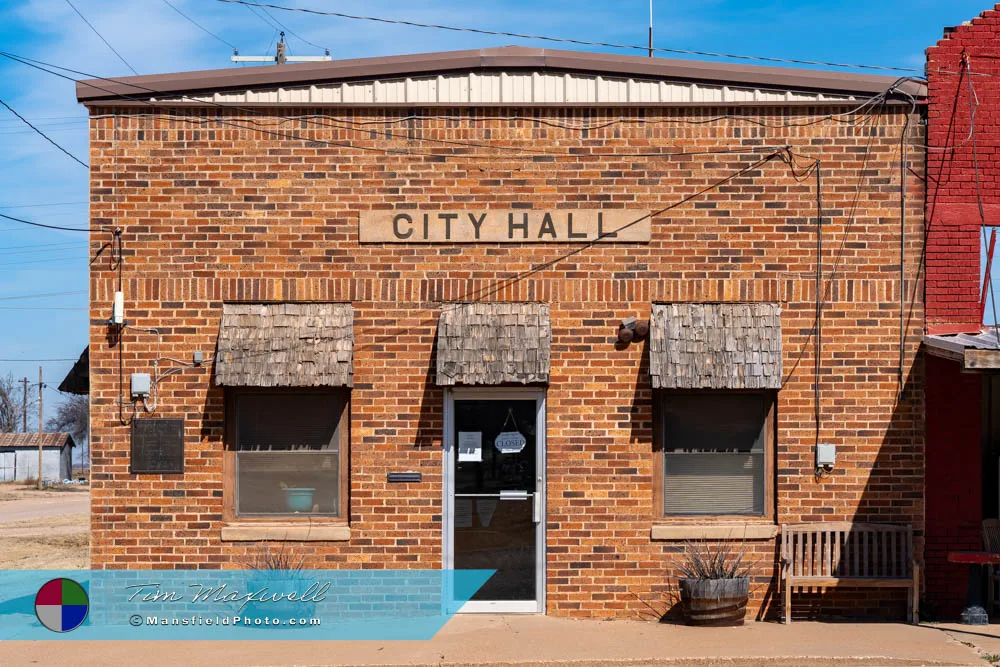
(19, 456)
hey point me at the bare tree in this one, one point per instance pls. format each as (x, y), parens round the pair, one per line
(73, 417)
(12, 404)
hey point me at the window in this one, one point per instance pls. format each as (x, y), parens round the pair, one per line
(716, 451)
(288, 454)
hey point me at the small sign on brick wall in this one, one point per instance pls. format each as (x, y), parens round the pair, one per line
(505, 226)
(157, 446)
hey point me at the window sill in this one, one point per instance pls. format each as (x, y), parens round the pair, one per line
(717, 531)
(287, 532)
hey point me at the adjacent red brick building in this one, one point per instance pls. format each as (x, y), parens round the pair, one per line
(374, 398)
(962, 200)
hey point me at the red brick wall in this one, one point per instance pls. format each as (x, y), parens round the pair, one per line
(954, 485)
(954, 237)
(953, 219)
(213, 213)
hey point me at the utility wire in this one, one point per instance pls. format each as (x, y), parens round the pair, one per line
(293, 33)
(43, 135)
(203, 28)
(64, 203)
(564, 40)
(40, 295)
(106, 42)
(38, 224)
(37, 64)
(31, 361)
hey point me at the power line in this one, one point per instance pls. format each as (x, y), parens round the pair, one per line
(62, 261)
(38, 224)
(43, 308)
(203, 28)
(31, 361)
(43, 135)
(106, 42)
(564, 40)
(39, 248)
(293, 33)
(63, 203)
(41, 295)
(37, 64)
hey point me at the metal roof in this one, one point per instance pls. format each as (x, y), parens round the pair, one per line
(49, 440)
(508, 59)
(976, 352)
(984, 340)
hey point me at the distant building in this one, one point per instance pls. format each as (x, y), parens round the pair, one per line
(19, 456)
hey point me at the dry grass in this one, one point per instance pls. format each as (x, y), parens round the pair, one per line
(55, 541)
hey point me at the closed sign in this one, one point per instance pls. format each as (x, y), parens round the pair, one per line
(510, 442)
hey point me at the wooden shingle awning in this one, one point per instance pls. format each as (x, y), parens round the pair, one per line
(285, 345)
(715, 346)
(493, 343)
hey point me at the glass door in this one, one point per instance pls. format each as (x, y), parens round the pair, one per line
(494, 488)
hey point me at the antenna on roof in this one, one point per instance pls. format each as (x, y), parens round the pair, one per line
(280, 57)
(650, 28)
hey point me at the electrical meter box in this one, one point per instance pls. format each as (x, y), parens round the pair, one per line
(141, 384)
(826, 454)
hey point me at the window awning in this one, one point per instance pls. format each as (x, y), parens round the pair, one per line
(715, 346)
(493, 343)
(285, 345)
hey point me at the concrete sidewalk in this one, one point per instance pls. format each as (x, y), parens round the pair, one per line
(541, 640)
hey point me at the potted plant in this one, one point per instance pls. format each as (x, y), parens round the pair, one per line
(715, 585)
(298, 499)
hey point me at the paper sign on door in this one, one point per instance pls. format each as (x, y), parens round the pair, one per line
(470, 446)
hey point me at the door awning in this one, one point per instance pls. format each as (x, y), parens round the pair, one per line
(285, 345)
(715, 346)
(493, 343)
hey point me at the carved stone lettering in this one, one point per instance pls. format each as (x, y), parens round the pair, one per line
(505, 226)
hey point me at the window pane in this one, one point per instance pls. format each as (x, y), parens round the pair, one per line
(713, 483)
(714, 422)
(288, 422)
(311, 482)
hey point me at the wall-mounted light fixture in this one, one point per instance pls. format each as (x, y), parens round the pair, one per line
(632, 329)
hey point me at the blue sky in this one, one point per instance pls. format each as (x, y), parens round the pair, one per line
(39, 183)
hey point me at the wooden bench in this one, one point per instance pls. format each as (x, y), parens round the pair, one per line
(820, 555)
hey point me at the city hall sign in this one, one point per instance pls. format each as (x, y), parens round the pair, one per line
(505, 226)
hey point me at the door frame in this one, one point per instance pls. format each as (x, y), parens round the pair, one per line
(536, 606)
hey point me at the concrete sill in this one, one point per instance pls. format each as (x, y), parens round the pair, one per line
(720, 531)
(287, 532)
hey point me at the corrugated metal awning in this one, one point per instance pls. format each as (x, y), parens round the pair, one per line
(976, 352)
(715, 346)
(493, 343)
(286, 345)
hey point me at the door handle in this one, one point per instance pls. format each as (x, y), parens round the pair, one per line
(513, 495)
(536, 507)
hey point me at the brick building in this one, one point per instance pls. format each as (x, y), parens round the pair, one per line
(963, 422)
(407, 277)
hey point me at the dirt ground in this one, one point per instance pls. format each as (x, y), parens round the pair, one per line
(44, 529)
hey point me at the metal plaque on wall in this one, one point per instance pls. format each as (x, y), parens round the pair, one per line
(157, 446)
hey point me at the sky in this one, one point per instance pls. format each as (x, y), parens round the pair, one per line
(39, 183)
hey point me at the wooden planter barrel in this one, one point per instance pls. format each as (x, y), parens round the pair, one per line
(714, 601)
